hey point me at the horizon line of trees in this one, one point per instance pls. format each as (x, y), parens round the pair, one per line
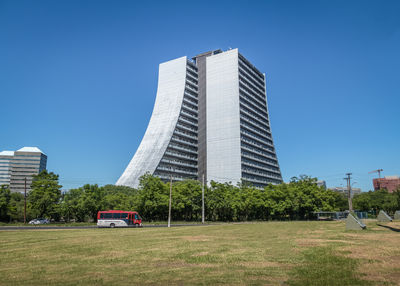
(296, 200)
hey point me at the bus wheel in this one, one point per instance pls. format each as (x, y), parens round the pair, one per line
(112, 225)
(137, 225)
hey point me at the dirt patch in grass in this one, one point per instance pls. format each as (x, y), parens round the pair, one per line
(319, 242)
(197, 238)
(182, 265)
(263, 264)
(379, 253)
(200, 253)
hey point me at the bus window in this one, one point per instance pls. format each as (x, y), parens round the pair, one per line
(107, 215)
(124, 215)
(136, 216)
(117, 215)
(101, 215)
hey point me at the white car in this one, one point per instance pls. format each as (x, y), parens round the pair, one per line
(39, 221)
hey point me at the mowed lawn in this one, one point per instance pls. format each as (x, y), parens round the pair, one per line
(264, 253)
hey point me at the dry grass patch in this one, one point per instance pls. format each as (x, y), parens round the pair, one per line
(197, 238)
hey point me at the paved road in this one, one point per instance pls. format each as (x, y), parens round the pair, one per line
(84, 227)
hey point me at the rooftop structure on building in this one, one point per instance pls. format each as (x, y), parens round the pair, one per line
(210, 119)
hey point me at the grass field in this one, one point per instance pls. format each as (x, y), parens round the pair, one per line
(270, 253)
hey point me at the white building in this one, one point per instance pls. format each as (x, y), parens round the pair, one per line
(210, 118)
(21, 165)
(5, 167)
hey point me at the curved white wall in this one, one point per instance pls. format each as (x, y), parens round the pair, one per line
(170, 90)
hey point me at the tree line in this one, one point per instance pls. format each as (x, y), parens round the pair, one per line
(296, 200)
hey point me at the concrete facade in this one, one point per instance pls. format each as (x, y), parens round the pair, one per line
(22, 164)
(210, 119)
(5, 167)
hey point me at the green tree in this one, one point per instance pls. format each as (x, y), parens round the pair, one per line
(153, 198)
(45, 195)
(5, 197)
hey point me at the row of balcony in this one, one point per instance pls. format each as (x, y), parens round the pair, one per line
(252, 135)
(189, 113)
(251, 179)
(191, 86)
(182, 148)
(176, 170)
(188, 120)
(175, 177)
(178, 163)
(251, 67)
(250, 71)
(184, 133)
(192, 66)
(183, 140)
(250, 125)
(187, 127)
(265, 175)
(253, 164)
(193, 80)
(190, 95)
(190, 104)
(249, 102)
(180, 155)
(251, 79)
(192, 72)
(258, 158)
(255, 123)
(256, 143)
(253, 113)
(256, 150)
(251, 92)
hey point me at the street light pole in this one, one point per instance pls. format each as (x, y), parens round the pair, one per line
(25, 203)
(170, 198)
(202, 201)
(348, 178)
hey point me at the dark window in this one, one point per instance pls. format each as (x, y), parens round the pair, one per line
(136, 216)
(101, 215)
(107, 215)
(124, 215)
(117, 215)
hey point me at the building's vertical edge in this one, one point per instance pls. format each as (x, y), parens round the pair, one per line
(223, 118)
(167, 107)
(5, 167)
(202, 131)
(270, 128)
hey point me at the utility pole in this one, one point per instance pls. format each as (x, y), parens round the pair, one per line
(170, 198)
(25, 203)
(348, 178)
(202, 201)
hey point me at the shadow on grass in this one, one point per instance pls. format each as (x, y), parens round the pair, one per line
(322, 266)
(389, 227)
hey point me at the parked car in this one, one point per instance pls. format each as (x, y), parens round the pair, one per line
(39, 221)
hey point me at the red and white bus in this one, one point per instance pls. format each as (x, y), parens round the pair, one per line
(118, 219)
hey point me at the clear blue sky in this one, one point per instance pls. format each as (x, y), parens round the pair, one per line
(78, 79)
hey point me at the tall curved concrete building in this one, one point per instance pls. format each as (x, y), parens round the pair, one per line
(210, 119)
